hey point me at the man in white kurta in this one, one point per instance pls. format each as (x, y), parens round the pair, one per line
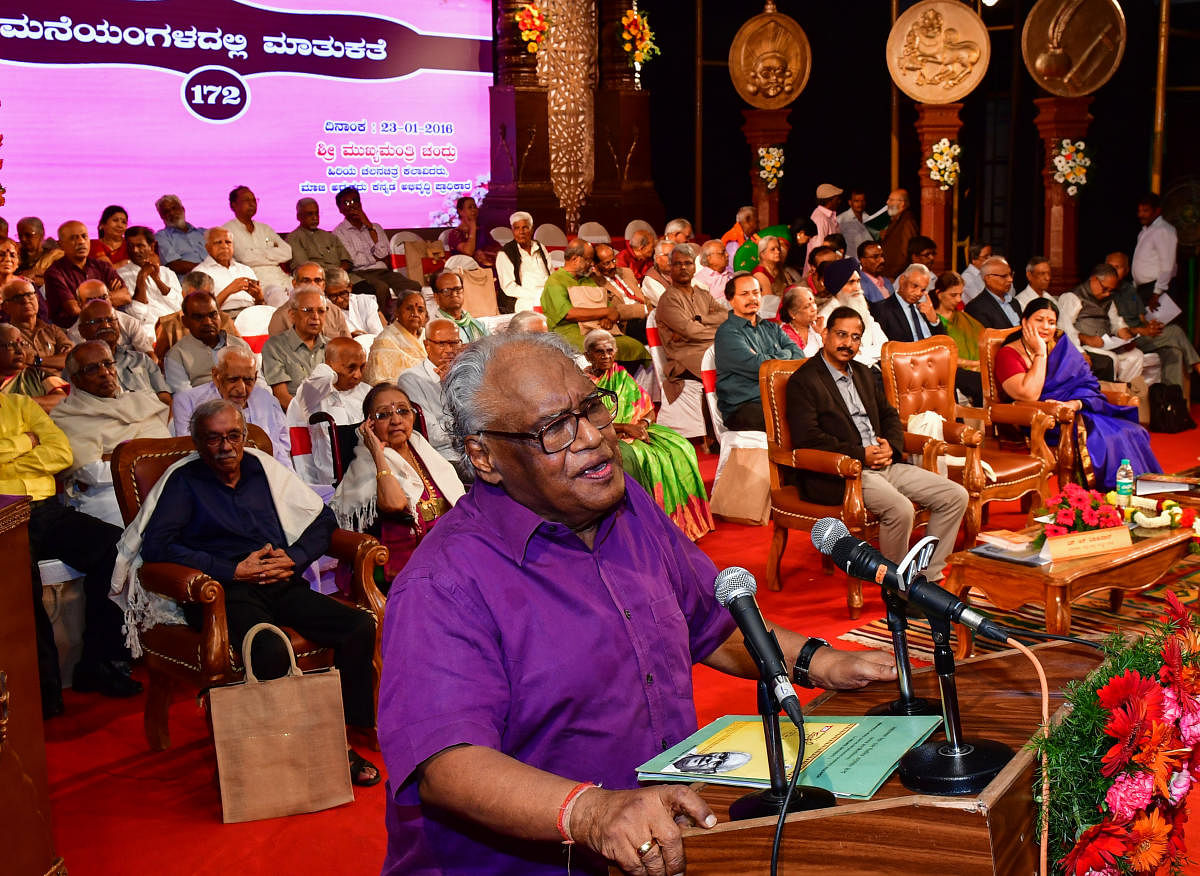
(257, 245)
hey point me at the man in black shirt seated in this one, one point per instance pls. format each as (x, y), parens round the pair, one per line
(252, 524)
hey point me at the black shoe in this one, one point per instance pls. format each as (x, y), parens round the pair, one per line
(52, 704)
(104, 678)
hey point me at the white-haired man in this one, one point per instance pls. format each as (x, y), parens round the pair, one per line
(658, 279)
(522, 265)
(678, 231)
(745, 228)
(236, 284)
(310, 243)
(181, 246)
(714, 271)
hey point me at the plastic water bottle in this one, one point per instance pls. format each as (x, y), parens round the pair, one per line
(1124, 483)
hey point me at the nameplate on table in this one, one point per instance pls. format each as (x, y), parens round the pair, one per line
(1085, 544)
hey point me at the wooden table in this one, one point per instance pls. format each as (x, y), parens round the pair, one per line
(1055, 587)
(898, 832)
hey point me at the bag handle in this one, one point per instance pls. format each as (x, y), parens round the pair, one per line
(246, 642)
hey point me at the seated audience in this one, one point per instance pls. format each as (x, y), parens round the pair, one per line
(37, 253)
(189, 361)
(995, 307)
(397, 486)
(1037, 273)
(19, 376)
(310, 243)
(370, 250)
(155, 288)
(565, 318)
(837, 243)
(238, 516)
(401, 343)
(467, 239)
(1089, 318)
(135, 370)
(310, 276)
(876, 287)
(962, 328)
(237, 285)
(289, 357)
(688, 319)
(657, 278)
(742, 343)
(714, 271)
(9, 260)
(638, 254)
(335, 387)
(678, 231)
(448, 293)
(977, 254)
(170, 328)
(745, 228)
(109, 244)
(799, 321)
(841, 280)
(64, 276)
(522, 266)
(181, 245)
(1039, 364)
(47, 343)
(902, 227)
(488, 793)
(422, 383)
(132, 331)
(922, 250)
(526, 321)
(258, 246)
(850, 223)
(835, 403)
(658, 458)
(770, 264)
(96, 417)
(624, 293)
(1170, 342)
(361, 312)
(35, 451)
(794, 263)
(235, 379)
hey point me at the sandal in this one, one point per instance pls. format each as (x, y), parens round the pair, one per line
(360, 765)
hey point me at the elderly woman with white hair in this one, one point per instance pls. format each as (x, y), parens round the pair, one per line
(522, 265)
(658, 458)
(771, 256)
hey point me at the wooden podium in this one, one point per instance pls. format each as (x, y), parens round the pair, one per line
(899, 832)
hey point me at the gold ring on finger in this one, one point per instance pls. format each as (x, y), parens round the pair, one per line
(644, 848)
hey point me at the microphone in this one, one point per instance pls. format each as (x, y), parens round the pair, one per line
(860, 560)
(735, 589)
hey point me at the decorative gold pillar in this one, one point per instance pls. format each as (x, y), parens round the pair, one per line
(765, 128)
(1058, 119)
(935, 121)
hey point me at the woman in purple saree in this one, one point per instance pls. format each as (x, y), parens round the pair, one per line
(1037, 364)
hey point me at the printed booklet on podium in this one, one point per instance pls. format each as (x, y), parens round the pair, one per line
(850, 756)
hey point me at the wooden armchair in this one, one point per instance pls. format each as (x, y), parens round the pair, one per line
(789, 509)
(1066, 452)
(177, 653)
(920, 377)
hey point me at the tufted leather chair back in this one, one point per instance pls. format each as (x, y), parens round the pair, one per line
(919, 376)
(990, 343)
(772, 384)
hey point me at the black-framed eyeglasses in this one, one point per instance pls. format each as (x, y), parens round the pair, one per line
(600, 408)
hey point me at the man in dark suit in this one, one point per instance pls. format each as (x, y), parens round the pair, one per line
(837, 404)
(996, 305)
(909, 316)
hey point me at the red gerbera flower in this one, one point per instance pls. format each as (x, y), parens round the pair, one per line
(1131, 728)
(1132, 686)
(1098, 847)
(1178, 613)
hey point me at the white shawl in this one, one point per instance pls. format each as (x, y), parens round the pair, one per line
(295, 503)
(354, 501)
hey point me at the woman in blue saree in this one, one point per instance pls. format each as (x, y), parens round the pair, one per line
(1038, 364)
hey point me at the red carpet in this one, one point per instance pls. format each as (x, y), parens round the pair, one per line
(121, 809)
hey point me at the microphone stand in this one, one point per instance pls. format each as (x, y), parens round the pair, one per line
(957, 766)
(769, 801)
(907, 704)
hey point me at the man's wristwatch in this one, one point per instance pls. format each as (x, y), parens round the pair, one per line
(804, 658)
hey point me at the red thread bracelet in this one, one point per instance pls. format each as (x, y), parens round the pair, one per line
(564, 810)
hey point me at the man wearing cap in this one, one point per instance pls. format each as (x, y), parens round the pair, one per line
(824, 215)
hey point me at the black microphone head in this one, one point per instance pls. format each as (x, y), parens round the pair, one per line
(826, 532)
(734, 582)
(841, 549)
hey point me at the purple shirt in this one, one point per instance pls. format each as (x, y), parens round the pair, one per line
(505, 631)
(63, 278)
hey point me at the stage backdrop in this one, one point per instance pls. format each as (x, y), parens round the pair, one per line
(122, 101)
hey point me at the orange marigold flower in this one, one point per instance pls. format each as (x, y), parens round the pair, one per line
(1148, 840)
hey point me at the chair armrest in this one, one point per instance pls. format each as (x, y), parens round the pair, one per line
(961, 433)
(181, 583)
(1016, 414)
(966, 412)
(1060, 411)
(363, 553)
(1119, 397)
(825, 462)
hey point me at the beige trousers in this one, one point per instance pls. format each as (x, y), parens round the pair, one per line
(890, 493)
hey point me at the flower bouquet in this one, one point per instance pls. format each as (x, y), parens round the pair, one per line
(943, 163)
(638, 38)
(533, 25)
(1070, 165)
(1081, 524)
(770, 165)
(1125, 758)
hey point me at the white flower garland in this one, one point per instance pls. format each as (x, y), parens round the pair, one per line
(1070, 165)
(943, 163)
(770, 165)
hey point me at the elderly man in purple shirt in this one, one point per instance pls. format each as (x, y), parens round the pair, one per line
(541, 640)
